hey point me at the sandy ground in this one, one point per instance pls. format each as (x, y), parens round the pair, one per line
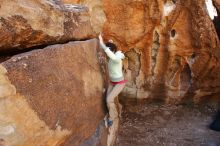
(164, 125)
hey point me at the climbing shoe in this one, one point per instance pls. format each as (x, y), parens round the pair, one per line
(110, 123)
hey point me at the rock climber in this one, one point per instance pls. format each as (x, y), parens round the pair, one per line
(117, 82)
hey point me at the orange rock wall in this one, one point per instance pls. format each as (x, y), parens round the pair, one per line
(179, 52)
(97, 15)
(171, 54)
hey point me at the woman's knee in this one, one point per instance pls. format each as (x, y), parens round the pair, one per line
(110, 100)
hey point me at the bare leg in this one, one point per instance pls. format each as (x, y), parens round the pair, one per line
(119, 106)
(111, 101)
(113, 113)
(110, 87)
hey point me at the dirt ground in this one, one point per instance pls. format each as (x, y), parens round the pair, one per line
(163, 125)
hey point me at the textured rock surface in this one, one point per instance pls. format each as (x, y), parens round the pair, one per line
(217, 19)
(52, 96)
(28, 23)
(217, 3)
(171, 46)
(178, 50)
(97, 15)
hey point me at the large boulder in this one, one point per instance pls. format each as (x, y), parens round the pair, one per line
(28, 23)
(97, 14)
(172, 48)
(53, 96)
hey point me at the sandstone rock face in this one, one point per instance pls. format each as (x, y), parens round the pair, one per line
(29, 23)
(217, 19)
(217, 3)
(97, 15)
(52, 97)
(71, 1)
(171, 46)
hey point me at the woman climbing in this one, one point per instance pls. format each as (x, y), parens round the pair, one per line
(117, 82)
(116, 85)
